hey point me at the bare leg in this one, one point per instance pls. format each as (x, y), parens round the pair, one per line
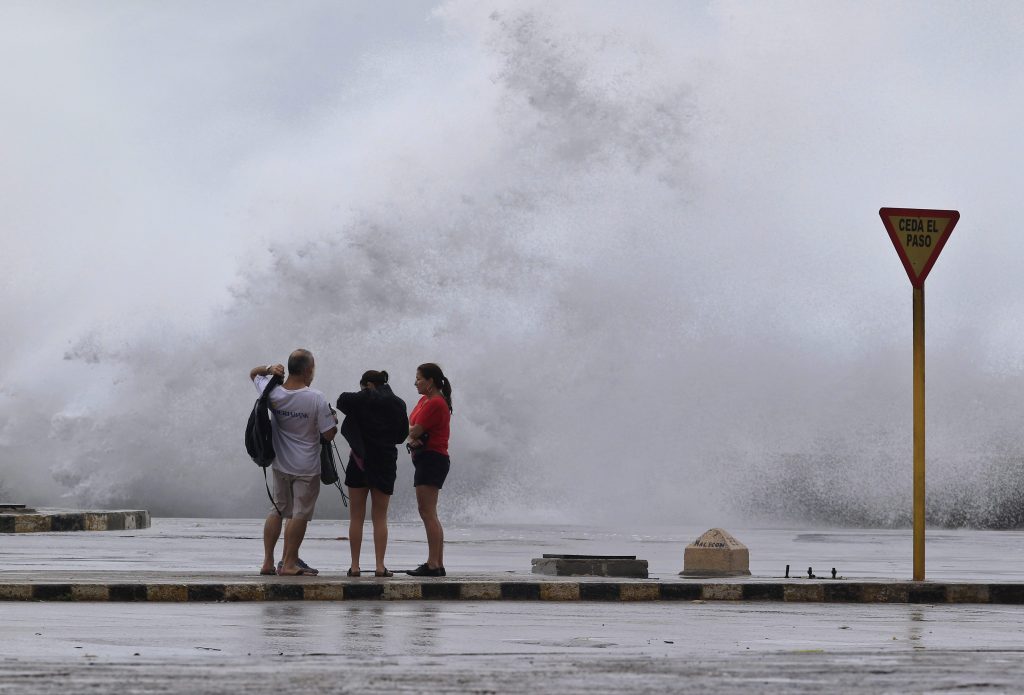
(294, 532)
(379, 514)
(271, 532)
(356, 519)
(426, 498)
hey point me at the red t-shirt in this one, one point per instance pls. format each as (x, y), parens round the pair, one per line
(432, 414)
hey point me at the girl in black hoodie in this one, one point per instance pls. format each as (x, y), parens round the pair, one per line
(376, 420)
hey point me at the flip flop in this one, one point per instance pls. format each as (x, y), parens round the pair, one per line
(271, 573)
(385, 573)
(353, 573)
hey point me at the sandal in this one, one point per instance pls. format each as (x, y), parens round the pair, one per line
(385, 573)
(353, 573)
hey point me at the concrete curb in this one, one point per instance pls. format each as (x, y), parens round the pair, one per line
(58, 521)
(311, 589)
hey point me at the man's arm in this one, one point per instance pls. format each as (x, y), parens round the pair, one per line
(267, 370)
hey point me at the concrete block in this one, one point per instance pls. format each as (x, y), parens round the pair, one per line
(67, 522)
(927, 593)
(15, 592)
(95, 522)
(362, 591)
(520, 591)
(636, 569)
(722, 592)
(599, 591)
(401, 591)
(440, 591)
(479, 591)
(590, 566)
(639, 592)
(884, 593)
(1006, 593)
(844, 593)
(284, 592)
(560, 591)
(967, 593)
(679, 591)
(716, 554)
(51, 592)
(544, 566)
(205, 592)
(127, 592)
(323, 592)
(763, 592)
(167, 592)
(244, 592)
(90, 592)
(812, 593)
(31, 523)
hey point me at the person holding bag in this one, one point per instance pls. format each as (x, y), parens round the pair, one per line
(302, 418)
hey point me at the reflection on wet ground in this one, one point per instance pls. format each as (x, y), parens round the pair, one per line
(510, 647)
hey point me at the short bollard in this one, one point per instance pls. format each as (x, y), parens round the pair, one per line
(716, 554)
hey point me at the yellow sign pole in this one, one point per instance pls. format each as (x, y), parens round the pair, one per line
(918, 236)
(919, 433)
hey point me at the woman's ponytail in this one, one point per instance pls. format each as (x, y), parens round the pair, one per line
(446, 391)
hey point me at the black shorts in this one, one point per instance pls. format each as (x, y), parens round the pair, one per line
(431, 468)
(380, 476)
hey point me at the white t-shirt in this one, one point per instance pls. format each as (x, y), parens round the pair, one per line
(298, 417)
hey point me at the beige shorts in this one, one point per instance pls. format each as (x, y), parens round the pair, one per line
(295, 495)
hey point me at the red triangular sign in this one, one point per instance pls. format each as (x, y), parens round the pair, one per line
(918, 236)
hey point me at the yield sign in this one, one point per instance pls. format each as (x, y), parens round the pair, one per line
(918, 236)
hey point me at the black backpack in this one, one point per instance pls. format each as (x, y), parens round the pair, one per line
(258, 440)
(258, 435)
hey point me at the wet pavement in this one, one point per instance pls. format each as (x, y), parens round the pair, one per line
(508, 646)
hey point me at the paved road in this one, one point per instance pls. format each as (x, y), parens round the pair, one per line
(510, 647)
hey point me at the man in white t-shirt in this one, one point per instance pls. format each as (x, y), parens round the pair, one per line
(300, 416)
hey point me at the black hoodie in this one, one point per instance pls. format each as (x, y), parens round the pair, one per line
(376, 420)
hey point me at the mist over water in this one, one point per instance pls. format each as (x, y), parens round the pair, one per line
(643, 243)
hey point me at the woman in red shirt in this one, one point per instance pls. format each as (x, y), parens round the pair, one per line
(428, 443)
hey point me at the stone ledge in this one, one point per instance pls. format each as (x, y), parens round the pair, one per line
(583, 566)
(59, 521)
(340, 590)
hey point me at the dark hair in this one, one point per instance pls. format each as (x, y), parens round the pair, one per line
(431, 371)
(372, 376)
(300, 361)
